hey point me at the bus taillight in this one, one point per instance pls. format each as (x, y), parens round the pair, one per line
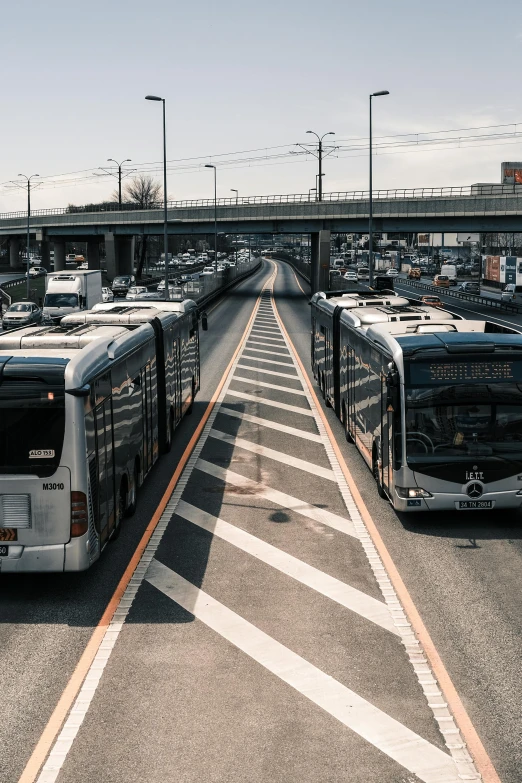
(79, 514)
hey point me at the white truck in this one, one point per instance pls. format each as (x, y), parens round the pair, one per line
(69, 292)
(450, 270)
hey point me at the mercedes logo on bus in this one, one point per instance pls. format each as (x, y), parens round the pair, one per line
(475, 490)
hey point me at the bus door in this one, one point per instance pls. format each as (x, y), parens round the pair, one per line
(147, 419)
(105, 464)
(350, 382)
(386, 438)
(177, 371)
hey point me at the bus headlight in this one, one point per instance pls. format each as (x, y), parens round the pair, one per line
(413, 492)
(79, 514)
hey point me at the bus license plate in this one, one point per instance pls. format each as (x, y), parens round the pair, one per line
(475, 504)
(4, 551)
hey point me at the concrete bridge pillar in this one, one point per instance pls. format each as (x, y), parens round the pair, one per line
(125, 255)
(320, 258)
(45, 252)
(59, 255)
(93, 254)
(14, 253)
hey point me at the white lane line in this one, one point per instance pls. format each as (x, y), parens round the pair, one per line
(349, 597)
(267, 361)
(270, 353)
(399, 743)
(277, 456)
(264, 401)
(274, 344)
(266, 329)
(261, 491)
(268, 372)
(270, 385)
(266, 340)
(273, 425)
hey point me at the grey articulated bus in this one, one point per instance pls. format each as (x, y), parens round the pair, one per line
(86, 408)
(432, 401)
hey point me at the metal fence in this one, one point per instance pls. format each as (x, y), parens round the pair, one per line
(291, 198)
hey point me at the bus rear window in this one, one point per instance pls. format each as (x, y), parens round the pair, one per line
(31, 431)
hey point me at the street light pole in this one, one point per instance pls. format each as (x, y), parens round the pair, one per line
(320, 158)
(28, 223)
(210, 166)
(119, 165)
(165, 217)
(236, 191)
(370, 220)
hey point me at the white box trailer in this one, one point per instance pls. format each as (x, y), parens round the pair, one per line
(70, 292)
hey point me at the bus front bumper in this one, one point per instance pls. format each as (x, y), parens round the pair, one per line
(457, 501)
(54, 558)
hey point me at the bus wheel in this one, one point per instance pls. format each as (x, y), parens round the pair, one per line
(131, 508)
(377, 477)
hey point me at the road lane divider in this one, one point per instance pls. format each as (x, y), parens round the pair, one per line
(442, 696)
(48, 739)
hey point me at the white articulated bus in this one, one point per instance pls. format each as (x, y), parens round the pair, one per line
(433, 404)
(86, 408)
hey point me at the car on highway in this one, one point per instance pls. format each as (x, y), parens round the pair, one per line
(392, 273)
(441, 280)
(469, 287)
(107, 295)
(207, 271)
(21, 314)
(351, 276)
(137, 291)
(433, 301)
(37, 271)
(414, 273)
(509, 293)
(122, 283)
(83, 265)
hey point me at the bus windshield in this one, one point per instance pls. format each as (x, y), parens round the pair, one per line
(61, 300)
(32, 426)
(463, 421)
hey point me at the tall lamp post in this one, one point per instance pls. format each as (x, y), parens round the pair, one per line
(165, 219)
(320, 159)
(370, 226)
(236, 191)
(28, 222)
(211, 166)
(119, 165)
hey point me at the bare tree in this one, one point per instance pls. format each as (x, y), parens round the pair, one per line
(142, 192)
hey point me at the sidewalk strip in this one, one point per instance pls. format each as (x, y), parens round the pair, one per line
(277, 456)
(345, 595)
(261, 491)
(408, 749)
(262, 400)
(274, 425)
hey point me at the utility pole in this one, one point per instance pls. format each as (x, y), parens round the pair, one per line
(319, 155)
(28, 224)
(119, 165)
(370, 220)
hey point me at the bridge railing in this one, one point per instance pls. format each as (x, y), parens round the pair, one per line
(288, 198)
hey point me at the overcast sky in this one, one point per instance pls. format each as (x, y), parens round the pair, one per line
(241, 75)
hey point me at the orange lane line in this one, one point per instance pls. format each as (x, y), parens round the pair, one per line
(472, 739)
(72, 688)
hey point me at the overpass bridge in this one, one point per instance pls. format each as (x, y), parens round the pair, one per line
(474, 208)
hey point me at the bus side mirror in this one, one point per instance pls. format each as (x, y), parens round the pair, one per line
(204, 321)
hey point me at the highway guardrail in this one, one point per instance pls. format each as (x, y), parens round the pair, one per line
(487, 301)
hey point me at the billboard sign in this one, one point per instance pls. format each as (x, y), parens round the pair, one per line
(423, 239)
(511, 269)
(493, 268)
(511, 174)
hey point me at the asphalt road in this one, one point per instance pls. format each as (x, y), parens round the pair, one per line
(259, 564)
